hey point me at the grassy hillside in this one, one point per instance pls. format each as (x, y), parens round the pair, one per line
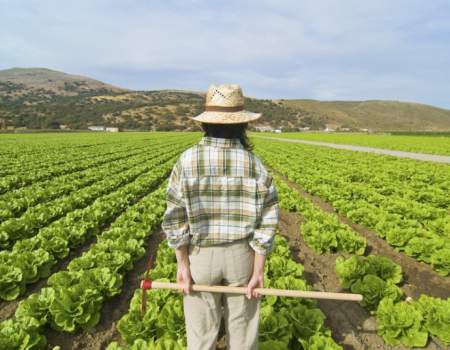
(39, 98)
(375, 114)
(43, 79)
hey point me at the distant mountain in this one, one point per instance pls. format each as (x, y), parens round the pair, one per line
(49, 80)
(40, 98)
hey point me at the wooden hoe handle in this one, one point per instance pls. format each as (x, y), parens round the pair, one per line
(262, 291)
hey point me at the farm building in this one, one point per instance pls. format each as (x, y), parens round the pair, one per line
(96, 128)
(264, 128)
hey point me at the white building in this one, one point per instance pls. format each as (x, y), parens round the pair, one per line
(112, 129)
(264, 128)
(96, 128)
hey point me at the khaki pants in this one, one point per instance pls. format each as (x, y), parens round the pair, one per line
(230, 264)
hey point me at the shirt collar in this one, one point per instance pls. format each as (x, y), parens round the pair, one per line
(220, 142)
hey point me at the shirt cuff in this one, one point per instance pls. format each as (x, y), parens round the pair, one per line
(260, 247)
(178, 242)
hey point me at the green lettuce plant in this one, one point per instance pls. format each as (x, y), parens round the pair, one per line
(401, 323)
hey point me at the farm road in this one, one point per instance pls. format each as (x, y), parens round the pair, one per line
(412, 155)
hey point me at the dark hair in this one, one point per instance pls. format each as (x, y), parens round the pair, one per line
(229, 131)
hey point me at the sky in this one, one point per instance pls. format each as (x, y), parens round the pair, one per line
(318, 49)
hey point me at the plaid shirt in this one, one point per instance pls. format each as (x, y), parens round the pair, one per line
(219, 192)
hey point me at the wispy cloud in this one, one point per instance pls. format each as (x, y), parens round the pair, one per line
(328, 49)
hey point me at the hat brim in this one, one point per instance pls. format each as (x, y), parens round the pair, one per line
(227, 117)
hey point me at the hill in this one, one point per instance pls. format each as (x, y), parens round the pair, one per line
(374, 114)
(49, 80)
(40, 98)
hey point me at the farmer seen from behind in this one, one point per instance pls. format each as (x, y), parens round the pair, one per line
(222, 212)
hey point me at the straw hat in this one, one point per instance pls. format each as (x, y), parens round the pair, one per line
(225, 105)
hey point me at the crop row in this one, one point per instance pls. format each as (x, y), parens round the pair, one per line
(425, 183)
(32, 153)
(29, 147)
(285, 323)
(34, 149)
(423, 144)
(45, 159)
(322, 231)
(48, 159)
(39, 216)
(377, 278)
(402, 223)
(15, 202)
(33, 258)
(32, 144)
(22, 178)
(399, 321)
(74, 298)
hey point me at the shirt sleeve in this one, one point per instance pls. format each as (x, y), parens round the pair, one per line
(263, 237)
(175, 221)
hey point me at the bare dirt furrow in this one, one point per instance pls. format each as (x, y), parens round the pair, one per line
(101, 335)
(347, 320)
(419, 278)
(351, 325)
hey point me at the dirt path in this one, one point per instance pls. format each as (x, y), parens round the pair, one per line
(351, 325)
(101, 335)
(419, 278)
(402, 154)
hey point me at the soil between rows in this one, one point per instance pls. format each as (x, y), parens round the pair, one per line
(351, 325)
(343, 318)
(113, 309)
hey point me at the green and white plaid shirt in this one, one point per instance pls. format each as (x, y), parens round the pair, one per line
(219, 192)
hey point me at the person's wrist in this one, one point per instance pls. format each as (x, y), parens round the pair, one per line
(258, 265)
(182, 256)
(183, 265)
(258, 271)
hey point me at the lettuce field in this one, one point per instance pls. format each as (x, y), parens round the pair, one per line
(80, 216)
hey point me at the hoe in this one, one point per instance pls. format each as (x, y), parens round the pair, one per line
(147, 284)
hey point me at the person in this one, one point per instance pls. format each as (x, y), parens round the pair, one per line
(221, 216)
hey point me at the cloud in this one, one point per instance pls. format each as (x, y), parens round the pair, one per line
(327, 49)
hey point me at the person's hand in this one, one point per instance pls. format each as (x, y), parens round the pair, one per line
(256, 281)
(184, 278)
